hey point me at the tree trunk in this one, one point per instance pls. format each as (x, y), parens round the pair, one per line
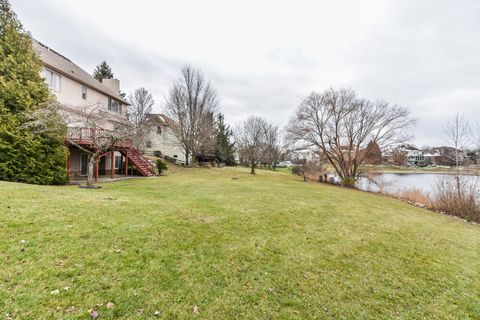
(252, 167)
(90, 169)
(187, 155)
(459, 187)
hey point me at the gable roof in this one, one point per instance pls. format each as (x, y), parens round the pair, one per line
(55, 61)
(160, 119)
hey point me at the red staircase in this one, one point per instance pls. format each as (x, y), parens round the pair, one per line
(144, 167)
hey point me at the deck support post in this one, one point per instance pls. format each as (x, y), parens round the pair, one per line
(112, 164)
(126, 165)
(96, 169)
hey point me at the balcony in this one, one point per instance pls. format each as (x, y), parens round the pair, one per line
(90, 137)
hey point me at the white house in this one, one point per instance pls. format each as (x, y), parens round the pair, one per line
(160, 139)
(79, 95)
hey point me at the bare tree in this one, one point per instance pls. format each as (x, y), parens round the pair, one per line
(250, 139)
(399, 157)
(190, 103)
(86, 132)
(341, 125)
(458, 134)
(206, 136)
(313, 168)
(141, 103)
(271, 144)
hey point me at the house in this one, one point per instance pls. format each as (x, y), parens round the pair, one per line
(80, 95)
(414, 156)
(446, 155)
(160, 139)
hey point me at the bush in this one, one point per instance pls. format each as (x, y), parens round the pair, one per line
(31, 131)
(161, 166)
(297, 170)
(457, 196)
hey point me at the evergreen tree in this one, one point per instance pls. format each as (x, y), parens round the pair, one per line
(103, 71)
(224, 148)
(373, 153)
(31, 130)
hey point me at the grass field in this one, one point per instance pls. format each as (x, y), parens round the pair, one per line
(267, 247)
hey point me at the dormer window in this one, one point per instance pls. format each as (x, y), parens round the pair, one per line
(53, 80)
(84, 92)
(159, 129)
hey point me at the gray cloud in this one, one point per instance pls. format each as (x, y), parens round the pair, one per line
(422, 55)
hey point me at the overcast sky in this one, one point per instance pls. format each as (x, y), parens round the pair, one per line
(263, 56)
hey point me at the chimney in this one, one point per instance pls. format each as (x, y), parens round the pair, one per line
(112, 84)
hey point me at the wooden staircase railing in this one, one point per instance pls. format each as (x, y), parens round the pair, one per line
(144, 167)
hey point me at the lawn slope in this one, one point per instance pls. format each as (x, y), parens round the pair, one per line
(266, 247)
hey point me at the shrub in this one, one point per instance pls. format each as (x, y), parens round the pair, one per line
(457, 196)
(297, 170)
(161, 166)
(31, 131)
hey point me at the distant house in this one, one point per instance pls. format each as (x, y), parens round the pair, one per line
(446, 155)
(79, 94)
(414, 156)
(160, 139)
(304, 155)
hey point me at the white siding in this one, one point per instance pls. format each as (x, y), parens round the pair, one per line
(70, 95)
(166, 143)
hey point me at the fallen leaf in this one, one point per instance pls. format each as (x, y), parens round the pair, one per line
(157, 313)
(70, 309)
(94, 314)
(196, 309)
(66, 288)
(23, 241)
(110, 305)
(56, 291)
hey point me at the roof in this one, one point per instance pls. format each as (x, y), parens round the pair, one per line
(161, 119)
(66, 67)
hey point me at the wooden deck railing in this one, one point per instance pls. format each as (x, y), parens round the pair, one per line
(91, 136)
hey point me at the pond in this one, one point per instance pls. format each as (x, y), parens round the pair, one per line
(397, 182)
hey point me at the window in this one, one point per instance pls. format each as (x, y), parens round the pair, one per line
(148, 144)
(118, 162)
(84, 92)
(52, 79)
(175, 156)
(159, 130)
(114, 105)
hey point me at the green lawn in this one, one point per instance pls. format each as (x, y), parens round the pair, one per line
(268, 247)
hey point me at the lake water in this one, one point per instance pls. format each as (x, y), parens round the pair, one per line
(395, 182)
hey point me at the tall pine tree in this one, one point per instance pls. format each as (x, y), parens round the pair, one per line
(224, 148)
(31, 130)
(103, 71)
